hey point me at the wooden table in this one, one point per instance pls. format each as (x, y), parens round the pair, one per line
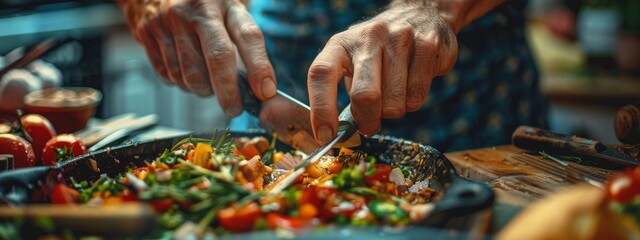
(517, 178)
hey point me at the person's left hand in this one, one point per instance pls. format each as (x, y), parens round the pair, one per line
(388, 63)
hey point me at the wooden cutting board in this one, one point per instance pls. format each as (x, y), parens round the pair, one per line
(517, 178)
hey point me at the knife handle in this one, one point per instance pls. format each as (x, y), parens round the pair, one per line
(536, 139)
(250, 102)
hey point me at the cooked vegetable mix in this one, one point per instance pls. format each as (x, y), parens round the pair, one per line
(220, 186)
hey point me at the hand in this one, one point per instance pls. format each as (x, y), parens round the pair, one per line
(191, 44)
(388, 63)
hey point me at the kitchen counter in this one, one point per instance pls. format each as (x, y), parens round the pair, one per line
(517, 178)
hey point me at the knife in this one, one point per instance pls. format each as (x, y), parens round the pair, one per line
(286, 117)
(593, 152)
(346, 129)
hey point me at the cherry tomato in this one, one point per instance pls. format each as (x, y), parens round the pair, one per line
(68, 142)
(39, 129)
(162, 205)
(62, 194)
(625, 186)
(21, 149)
(239, 219)
(277, 220)
(381, 175)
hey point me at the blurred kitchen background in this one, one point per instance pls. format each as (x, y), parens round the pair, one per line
(588, 53)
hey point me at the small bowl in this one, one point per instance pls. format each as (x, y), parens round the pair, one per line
(68, 109)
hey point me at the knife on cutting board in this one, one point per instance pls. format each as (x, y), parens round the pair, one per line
(286, 117)
(593, 152)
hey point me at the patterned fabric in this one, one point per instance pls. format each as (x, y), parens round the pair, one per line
(492, 89)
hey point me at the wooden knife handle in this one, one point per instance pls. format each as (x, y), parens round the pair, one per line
(627, 124)
(123, 220)
(536, 139)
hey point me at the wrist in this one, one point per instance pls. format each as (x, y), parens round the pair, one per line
(453, 12)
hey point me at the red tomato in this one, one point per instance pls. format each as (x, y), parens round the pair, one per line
(277, 220)
(73, 146)
(39, 129)
(20, 148)
(62, 194)
(162, 205)
(625, 186)
(249, 151)
(382, 174)
(239, 219)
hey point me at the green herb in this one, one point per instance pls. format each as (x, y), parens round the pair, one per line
(388, 212)
(267, 157)
(371, 167)
(561, 157)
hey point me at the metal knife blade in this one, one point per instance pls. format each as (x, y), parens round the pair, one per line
(286, 117)
(346, 129)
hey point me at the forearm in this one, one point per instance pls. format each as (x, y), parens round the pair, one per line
(458, 13)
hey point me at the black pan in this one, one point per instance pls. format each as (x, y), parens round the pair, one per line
(459, 202)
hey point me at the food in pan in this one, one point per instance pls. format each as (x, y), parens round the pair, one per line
(221, 186)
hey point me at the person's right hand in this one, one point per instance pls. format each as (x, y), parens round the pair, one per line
(191, 44)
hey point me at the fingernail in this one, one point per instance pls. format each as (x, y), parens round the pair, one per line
(268, 88)
(324, 134)
(233, 110)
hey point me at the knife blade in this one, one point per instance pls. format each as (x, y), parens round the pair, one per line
(594, 152)
(286, 117)
(346, 129)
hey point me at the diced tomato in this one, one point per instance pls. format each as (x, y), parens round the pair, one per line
(625, 186)
(128, 196)
(335, 167)
(277, 220)
(381, 174)
(249, 151)
(162, 205)
(62, 194)
(239, 219)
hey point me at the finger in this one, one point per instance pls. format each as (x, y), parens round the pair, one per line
(324, 74)
(151, 47)
(158, 28)
(192, 66)
(395, 71)
(420, 74)
(365, 90)
(250, 42)
(219, 55)
(366, 98)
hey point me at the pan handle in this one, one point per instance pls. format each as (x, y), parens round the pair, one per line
(463, 197)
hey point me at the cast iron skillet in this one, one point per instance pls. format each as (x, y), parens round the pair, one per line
(457, 198)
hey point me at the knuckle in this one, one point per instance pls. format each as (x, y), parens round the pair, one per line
(174, 73)
(251, 33)
(376, 29)
(401, 37)
(320, 70)
(365, 97)
(219, 53)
